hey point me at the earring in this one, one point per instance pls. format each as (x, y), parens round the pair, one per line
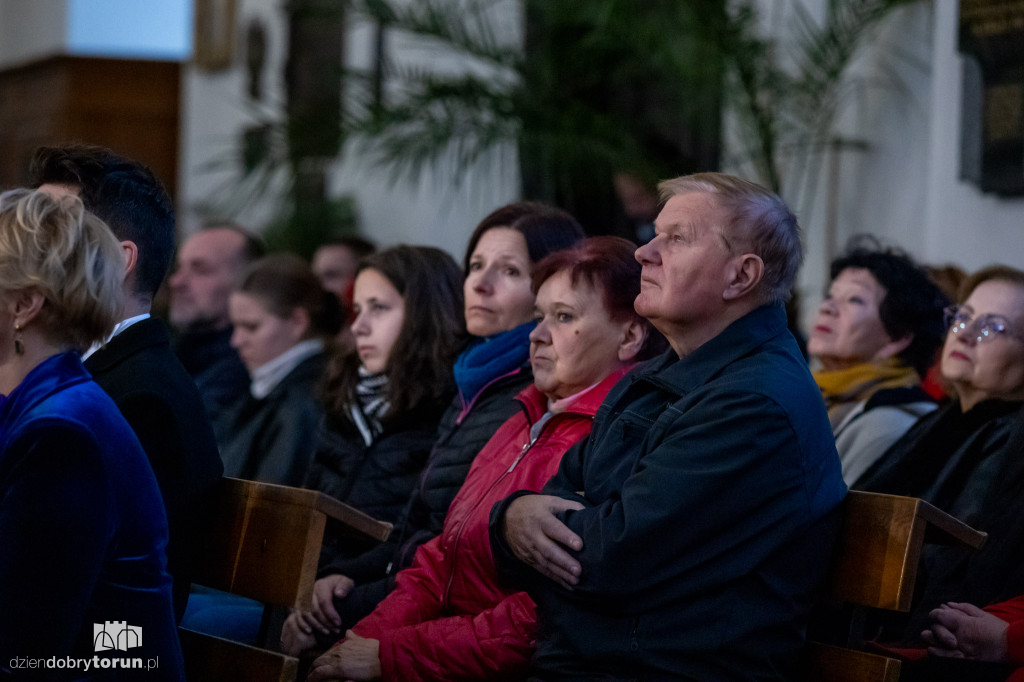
(19, 347)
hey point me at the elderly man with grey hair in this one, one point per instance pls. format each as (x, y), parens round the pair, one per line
(687, 536)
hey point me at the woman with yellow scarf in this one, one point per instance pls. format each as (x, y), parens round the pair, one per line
(875, 335)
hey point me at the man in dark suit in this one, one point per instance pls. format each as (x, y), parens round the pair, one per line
(136, 365)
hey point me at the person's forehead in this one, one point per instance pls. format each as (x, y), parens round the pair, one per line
(334, 255)
(698, 209)
(213, 245)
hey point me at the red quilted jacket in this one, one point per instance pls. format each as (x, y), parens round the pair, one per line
(448, 618)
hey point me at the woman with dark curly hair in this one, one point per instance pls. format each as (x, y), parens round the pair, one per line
(876, 334)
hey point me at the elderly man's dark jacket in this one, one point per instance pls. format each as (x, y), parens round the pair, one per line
(160, 402)
(711, 486)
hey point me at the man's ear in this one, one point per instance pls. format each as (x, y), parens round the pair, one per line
(130, 252)
(632, 341)
(744, 274)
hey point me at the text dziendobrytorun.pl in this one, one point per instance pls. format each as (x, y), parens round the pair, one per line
(84, 664)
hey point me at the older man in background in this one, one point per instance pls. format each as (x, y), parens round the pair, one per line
(210, 263)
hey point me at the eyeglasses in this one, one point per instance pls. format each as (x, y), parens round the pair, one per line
(987, 327)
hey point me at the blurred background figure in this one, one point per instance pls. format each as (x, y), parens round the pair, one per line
(335, 264)
(210, 264)
(949, 278)
(283, 323)
(82, 523)
(875, 336)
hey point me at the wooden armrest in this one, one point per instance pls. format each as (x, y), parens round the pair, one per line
(880, 546)
(826, 663)
(350, 517)
(263, 541)
(212, 658)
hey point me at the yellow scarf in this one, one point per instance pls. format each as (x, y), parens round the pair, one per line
(842, 389)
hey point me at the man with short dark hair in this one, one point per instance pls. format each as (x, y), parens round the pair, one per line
(136, 366)
(687, 536)
(210, 263)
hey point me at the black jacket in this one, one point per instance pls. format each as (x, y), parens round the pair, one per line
(376, 478)
(458, 442)
(969, 465)
(214, 365)
(160, 402)
(710, 487)
(271, 439)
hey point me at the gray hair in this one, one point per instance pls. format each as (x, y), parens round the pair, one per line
(760, 223)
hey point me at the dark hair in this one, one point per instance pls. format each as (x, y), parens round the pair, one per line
(284, 282)
(608, 265)
(360, 248)
(912, 305)
(544, 227)
(253, 247)
(124, 194)
(419, 367)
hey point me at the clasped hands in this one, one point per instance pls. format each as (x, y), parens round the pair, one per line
(960, 630)
(540, 539)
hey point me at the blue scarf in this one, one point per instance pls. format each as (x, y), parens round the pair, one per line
(488, 358)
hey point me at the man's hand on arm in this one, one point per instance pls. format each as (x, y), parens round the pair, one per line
(540, 539)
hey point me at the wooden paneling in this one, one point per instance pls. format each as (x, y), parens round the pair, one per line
(131, 106)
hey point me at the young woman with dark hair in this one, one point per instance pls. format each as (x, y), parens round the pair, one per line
(385, 398)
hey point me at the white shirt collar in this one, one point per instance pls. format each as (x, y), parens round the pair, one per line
(266, 377)
(118, 328)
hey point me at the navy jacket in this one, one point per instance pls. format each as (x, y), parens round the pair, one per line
(82, 528)
(711, 487)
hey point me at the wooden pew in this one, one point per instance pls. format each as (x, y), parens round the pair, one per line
(875, 566)
(263, 542)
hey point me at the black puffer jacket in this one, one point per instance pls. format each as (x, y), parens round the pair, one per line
(458, 442)
(376, 479)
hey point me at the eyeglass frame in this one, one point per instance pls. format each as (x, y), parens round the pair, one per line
(985, 331)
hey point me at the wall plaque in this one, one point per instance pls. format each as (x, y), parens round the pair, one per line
(992, 34)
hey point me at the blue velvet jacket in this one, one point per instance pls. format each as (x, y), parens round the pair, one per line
(711, 486)
(82, 534)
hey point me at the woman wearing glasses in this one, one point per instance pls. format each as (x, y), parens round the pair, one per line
(958, 457)
(876, 334)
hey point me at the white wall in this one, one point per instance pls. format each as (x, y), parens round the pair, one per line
(433, 210)
(965, 226)
(31, 29)
(904, 186)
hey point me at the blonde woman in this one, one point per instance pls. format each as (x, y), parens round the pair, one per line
(82, 524)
